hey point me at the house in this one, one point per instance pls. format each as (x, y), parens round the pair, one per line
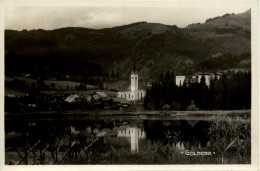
(97, 96)
(218, 75)
(72, 98)
(179, 81)
(13, 93)
(207, 77)
(132, 93)
(122, 102)
(190, 80)
(217, 55)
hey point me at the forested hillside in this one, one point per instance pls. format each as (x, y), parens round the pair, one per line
(154, 47)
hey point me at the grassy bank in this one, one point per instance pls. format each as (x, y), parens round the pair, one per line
(144, 112)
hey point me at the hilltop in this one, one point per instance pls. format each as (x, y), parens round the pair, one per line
(155, 48)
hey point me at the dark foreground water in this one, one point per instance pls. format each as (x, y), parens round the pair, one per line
(119, 141)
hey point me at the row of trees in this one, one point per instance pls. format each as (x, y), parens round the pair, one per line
(232, 91)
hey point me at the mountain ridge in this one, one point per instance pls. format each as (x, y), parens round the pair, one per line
(154, 47)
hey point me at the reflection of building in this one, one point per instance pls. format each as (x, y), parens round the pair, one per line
(133, 93)
(134, 133)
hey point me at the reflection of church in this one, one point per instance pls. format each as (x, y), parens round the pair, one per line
(132, 93)
(134, 133)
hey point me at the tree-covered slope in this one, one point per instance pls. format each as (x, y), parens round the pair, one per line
(153, 47)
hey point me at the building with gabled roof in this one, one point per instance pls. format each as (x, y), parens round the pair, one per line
(96, 96)
(72, 98)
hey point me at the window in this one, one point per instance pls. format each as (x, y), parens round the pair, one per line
(125, 95)
(141, 95)
(135, 78)
(132, 77)
(129, 96)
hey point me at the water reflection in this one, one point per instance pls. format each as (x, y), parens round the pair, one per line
(134, 133)
(122, 133)
(99, 136)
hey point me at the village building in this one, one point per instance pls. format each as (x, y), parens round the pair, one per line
(216, 55)
(121, 102)
(96, 96)
(72, 98)
(207, 77)
(181, 80)
(132, 93)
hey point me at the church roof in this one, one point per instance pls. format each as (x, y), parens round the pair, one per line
(125, 88)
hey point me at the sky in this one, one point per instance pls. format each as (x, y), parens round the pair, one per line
(104, 15)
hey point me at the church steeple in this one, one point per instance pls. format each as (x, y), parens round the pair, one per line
(134, 68)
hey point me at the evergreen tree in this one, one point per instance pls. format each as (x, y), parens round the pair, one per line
(231, 92)
(161, 77)
(112, 74)
(167, 77)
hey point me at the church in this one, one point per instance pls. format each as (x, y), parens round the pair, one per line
(132, 93)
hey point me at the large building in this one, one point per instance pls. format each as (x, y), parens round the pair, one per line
(181, 80)
(132, 93)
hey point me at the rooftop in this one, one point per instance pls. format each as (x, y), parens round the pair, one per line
(102, 94)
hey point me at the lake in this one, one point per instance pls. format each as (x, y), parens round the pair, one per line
(130, 139)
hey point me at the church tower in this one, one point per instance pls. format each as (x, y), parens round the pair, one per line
(133, 93)
(134, 85)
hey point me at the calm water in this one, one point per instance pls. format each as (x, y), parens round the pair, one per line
(130, 135)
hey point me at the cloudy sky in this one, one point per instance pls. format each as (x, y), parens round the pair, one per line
(103, 15)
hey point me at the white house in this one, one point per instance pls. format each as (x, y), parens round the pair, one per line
(180, 80)
(207, 77)
(132, 93)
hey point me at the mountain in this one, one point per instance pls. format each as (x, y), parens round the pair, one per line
(153, 47)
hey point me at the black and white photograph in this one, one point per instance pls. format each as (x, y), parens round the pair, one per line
(130, 84)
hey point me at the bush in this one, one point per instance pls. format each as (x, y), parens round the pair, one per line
(192, 107)
(230, 138)
(166, 107)
(176, 106)
(151, 106)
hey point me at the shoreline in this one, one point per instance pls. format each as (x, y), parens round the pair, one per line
(143, 115)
